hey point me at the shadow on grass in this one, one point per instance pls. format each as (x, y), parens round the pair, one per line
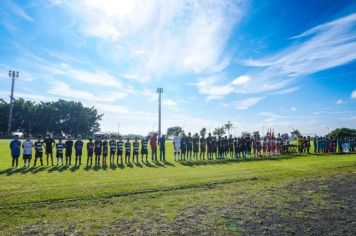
(149, 165)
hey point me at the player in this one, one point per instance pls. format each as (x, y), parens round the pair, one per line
(27, 151)
(105, 150)
(59, 152)
(15, 147)
(214, 148)
(144, 149)
(38, 150)
(69, 148)
(135, 147)
(127, 150)
(49, 145)
(189, 146)
(98, 146)
(231, 146)
(195, 146)
(78, 146)
(177, 146)
(153, 144)
(202, 147)
(90, 152)
(183, 146)
(162, 148)
(112, 145)
(119, 150)
(209, 143)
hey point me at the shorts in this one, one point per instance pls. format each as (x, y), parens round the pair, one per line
(135, 152)
(119, 152)
(127, 152)
(38, 155)
(112, 152)
(69, 153)
(59, 155)
(49, 152)
(97, 153)
(27, 156)
(15, 156)
(90, 153)
(177, 149)
(78, 153)
(105, 154)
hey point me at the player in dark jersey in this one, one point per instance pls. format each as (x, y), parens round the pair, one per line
(162, 148)
(135, 148)
(78, 146)
(226, 147)
(144, 149)
(38, 146)
(236, 147)
(98, 147)
(195, 146)
(69, 148)
(215, 149)
(49, 145)
(209, 143)
(183, 146)
(112, 145)
(120, 148)
(105, 150)
(127, 150)
(231, 146)
(202, 147)
(220, 147)
(189, 146)
(90, 152)
(59, 151)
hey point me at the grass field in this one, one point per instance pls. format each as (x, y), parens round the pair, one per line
(198, 197)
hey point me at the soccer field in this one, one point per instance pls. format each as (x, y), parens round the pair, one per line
(204, 197)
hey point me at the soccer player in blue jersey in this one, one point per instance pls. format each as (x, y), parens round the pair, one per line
(189, 142)
(135, 147)
(98, 147)
(162, 148)
(195, 146)
(59, 152)
(38, 150)
(202, 147)
(119, 150)
(90, 152)
(144, 149)
(78, 146)
(112, 145)
(105, 150)
(127, 150)
(69, 148)
(15, 147)
(49, 145)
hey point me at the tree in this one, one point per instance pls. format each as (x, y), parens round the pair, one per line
(203, 131)
(219, 131)
(228, 126)
(256, 134)
(343, 133)
(295, 133)
(246, 135)
(174, 130)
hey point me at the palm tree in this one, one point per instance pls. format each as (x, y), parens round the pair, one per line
(228, 126)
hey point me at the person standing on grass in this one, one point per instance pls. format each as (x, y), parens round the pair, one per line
(215, 148)
(183, 146)
(189, 146)
(78, 146)
(90, 152)
(162, 148)
(105, 150)
(209, 143)
(195, 146)
(127, 150)
(315, 143)
(112, 144)
(98, 144)
(69, 149)
(135, 147)
(49, 145)
(27, 151)
(144, 149)
(202, 147)
(120, 147)
(59, 151)
(153, 144)
(15, 147)
(38, 150)
(231, 146)
(176, 146)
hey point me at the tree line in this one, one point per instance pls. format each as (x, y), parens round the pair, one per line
(56, 117)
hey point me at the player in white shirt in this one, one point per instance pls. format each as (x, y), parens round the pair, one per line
(176, 144)
(27, 151)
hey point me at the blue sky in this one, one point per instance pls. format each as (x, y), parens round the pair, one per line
(259, 64)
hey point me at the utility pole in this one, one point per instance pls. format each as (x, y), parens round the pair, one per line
(159, 91)
(13, 75)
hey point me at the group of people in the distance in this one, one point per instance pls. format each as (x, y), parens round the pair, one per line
(186, 148)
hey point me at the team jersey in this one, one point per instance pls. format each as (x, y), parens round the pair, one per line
(38, 147)
(68, 144)
(59, 147)
(196, 144)
(78, 145)
(177, 141)
(15, 146)
(105, 146)
(49, 143)
(112, 144)
(98, 145)
(135, 145)
(90, 147)
(120, 145)
(144, 144)
(128, 146)
(189, 143)
(209, 141)
(202, 142)
(27, 147)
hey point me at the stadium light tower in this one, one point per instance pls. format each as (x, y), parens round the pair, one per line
(159, 91)
(13, 75)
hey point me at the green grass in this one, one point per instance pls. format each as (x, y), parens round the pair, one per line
(88, 195)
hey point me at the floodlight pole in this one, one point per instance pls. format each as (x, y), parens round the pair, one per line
(159, 91)
(13, 75)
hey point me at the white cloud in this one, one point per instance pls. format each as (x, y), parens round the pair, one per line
(210, 87)
(286, 91)
(17, 10)
(340, 101)
(353, 94)
(246, 103)
(241, 80)
(169, 103)
(293, 108)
